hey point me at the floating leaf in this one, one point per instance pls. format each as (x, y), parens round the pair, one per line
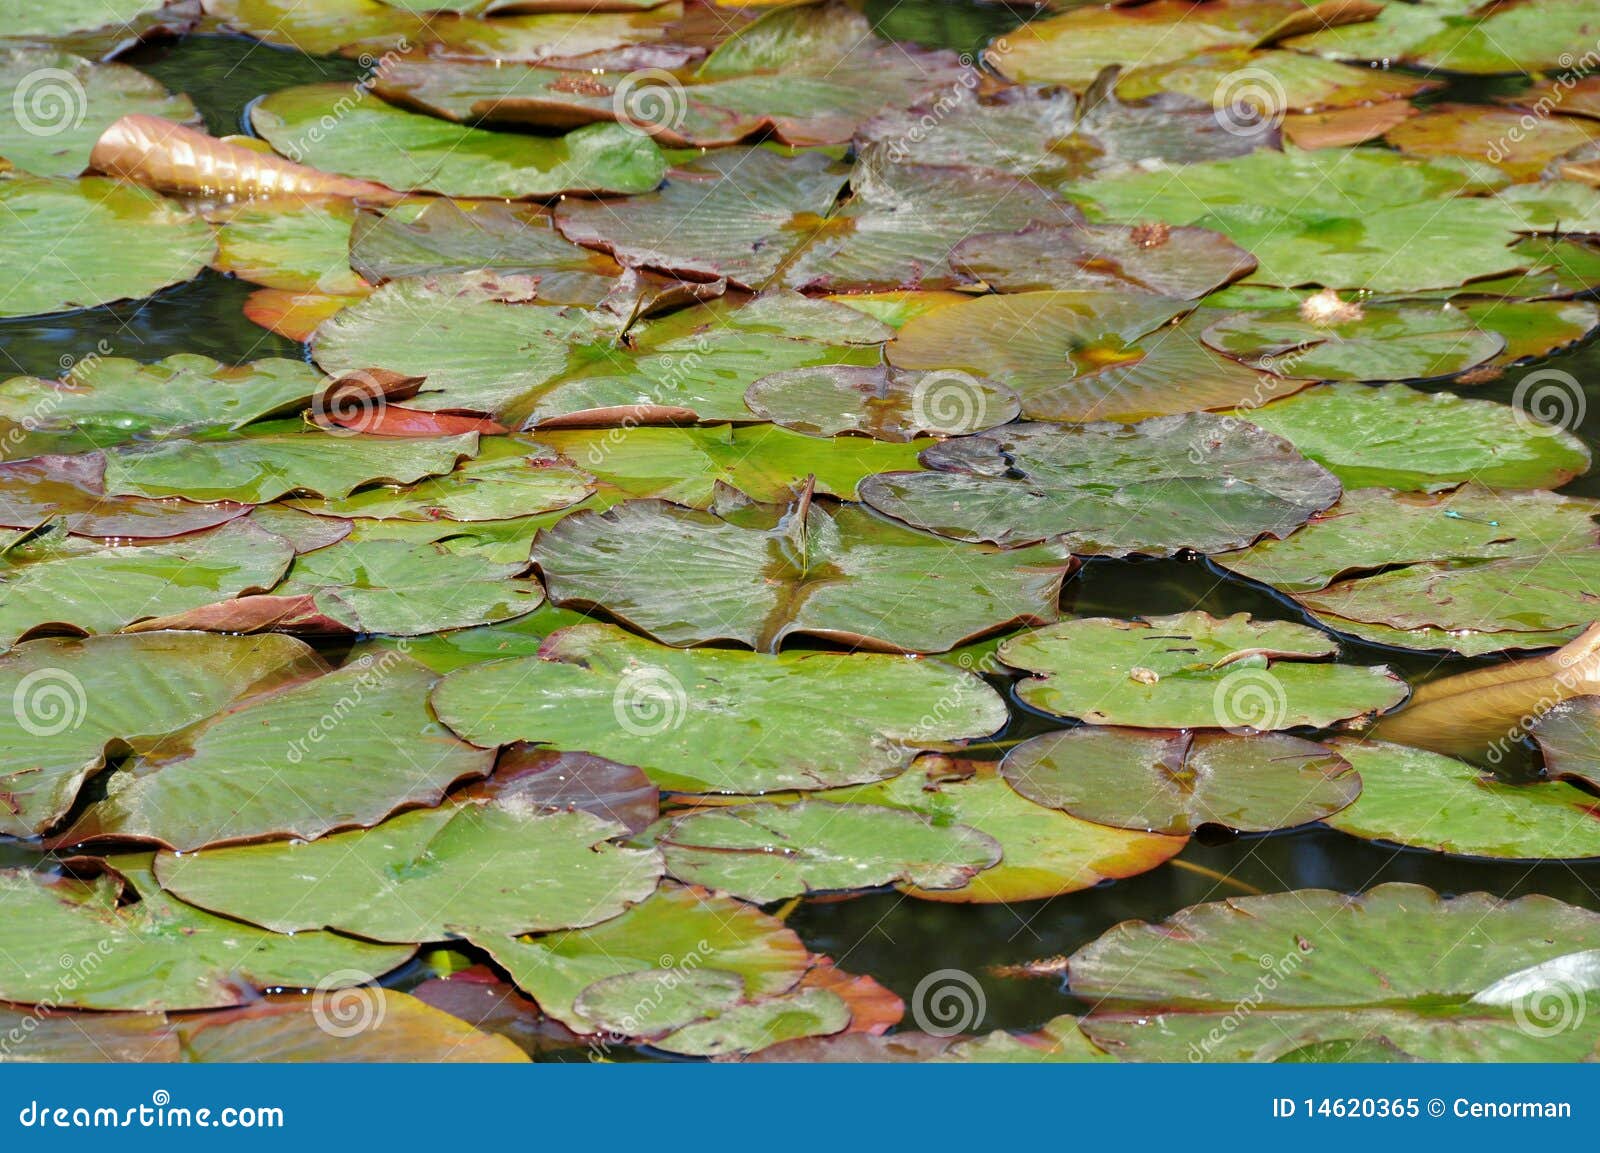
(1176, 782)
(1185, 263)
(156, 953)
(882, 402)
(1519, 144)
(1397, 437)
(1427, 801)
(325, 126)
(112, 24)
(1164, 485)
(1247, 86)
(67, 244)
(70, 492)
(344, 749)
(1379, 344)
(83, 1038)
(483, 868)
(1443, 979)
(704, 720)
(525, 774)
(1453, 36)
(1535, 328)
(759, 574)
(766, 852)
(299, 245)
(1569, 739)
(1193, 670)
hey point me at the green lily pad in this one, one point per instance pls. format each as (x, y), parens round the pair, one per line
(1045, 852)
(881, 402)
(446, 652)
(1568, 736)
(703, 720)
(156, 953)
(770, 464)
(1536, 328)
(69, 244)
(111, 400)
(99, 587)
(678, 930)
(1193, 670)
(1375, 528)
(1428, 801)
(1168, 484)
(61, 103)
(325, 126)
(761, 219)
(75, 698)
(1058, 1040)
(1176, 782)
(759, 574)
(1083, 356)
(1184, 263)
(69, 491)
(1466, 642)
(1397, 437)
(1462, 36)
(1247, 86)
(766, 852)
(1379, 344)
(473, 867)
(1470, 978)
(292, 244)
(23, 18)
(260, 468)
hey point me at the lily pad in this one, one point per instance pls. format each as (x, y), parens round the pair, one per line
(1184, 263)
(488, 869)
(1246, 86)
(300, 245)
(767, 852)
(1568, 736)
(1084, 356)
(1397, 437)
(1193, 670)
(344, 749)
(327, 127)
(69, 244)
(676, 931)
(759, 574)
(69, 491)
(1535, 328)
(156, 953)
(704, 720)
(1168, 484)
(1443, 979)
(1425, 800)
(881, 402)
(1378, 344)
(550, 780)
(73, 699)
(1519, 144)
(1176, 782)
(1460, 36)
(27, 19)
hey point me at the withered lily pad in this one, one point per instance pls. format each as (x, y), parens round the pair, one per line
(68, 244)
(1193, 670)
(1397, 437)
(156, 953)
(479, 867)
(564, 781)
(1442, 979)
(1506, 137)
(1186, 263)
(758, 574)
(1159, 487)
(720, 721)
(1175, 782)
(1429, 801)
(884, 403)
(323, 126)
(766, 852)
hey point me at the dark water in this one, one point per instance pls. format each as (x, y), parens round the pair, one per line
(893, 938)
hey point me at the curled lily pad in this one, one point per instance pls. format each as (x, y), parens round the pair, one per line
(1428, 801)
(156, 953)
(1175, 782)
(1045, 852)
(1568, 736)
(1397, 437)
(759, 574)
(73, 699)
(479, 867)
(371, 140)
(719, 721)
(302, 245)
(70, 492)
(1378, 344)
(677, 930)
(258, 468)
(766, 852)
(63, 582)
(884, 403)
(68, 244)
(343, 749)
(1083, 356)
(61, 103)
(1443, 979)
(1172, 483)
(1193, 670)
(1185, 263)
